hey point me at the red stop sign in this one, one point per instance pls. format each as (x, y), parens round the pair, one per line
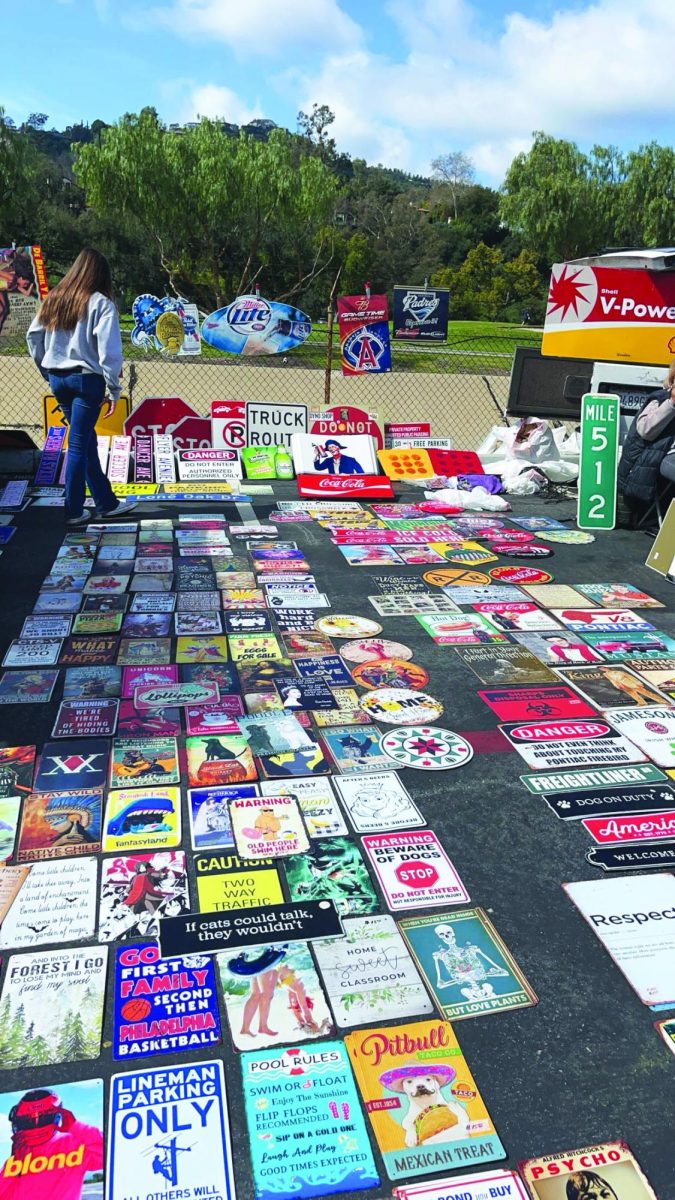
(416, 874)
(192, 433)
(158, 414)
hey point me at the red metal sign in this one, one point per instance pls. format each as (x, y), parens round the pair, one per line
(370, 487)
(228, 423)
(344, 418)
(160, 414)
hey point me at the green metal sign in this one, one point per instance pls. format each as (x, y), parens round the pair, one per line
(596, 505)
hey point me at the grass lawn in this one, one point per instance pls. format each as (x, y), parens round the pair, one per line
(473, 347)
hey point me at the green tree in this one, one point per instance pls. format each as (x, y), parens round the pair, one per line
(455, 171)
(20, 166)
(551, 197)
(647, 207)
(359, 264)
(72, 1042)
(485, 285)
(38, 1052)
(211, 203)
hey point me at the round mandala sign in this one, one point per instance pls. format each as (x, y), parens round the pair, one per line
(426, 748)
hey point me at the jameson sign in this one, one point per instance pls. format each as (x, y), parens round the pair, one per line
(421, 313)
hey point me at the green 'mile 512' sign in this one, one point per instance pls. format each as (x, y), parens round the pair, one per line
(596, 506)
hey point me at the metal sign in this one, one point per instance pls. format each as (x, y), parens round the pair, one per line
(51, 455)
(421, 314)
(228, 424)
(274, 424)
(596, 503)
(52, 417)
(209, 464)
(118, 466)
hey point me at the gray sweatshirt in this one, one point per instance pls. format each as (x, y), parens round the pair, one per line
(95, 344)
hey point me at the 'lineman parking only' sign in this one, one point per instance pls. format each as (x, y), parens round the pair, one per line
(274, 424)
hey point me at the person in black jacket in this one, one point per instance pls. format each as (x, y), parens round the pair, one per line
(648, 452)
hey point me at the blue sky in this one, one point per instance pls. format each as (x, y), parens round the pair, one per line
(407, 79)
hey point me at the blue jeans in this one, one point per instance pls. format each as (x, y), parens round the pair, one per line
(80, 398)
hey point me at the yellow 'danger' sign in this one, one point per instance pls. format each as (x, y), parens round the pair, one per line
(105, 426)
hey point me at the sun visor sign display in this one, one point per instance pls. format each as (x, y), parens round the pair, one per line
(364, 334)
(612, 314)
(421, 314)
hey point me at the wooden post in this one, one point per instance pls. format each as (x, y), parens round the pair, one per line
(329, 342)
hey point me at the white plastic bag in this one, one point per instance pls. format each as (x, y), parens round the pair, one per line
(477, 500)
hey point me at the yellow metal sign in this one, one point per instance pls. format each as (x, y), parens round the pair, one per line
(105, 426)
(197, 488)
(135, 489)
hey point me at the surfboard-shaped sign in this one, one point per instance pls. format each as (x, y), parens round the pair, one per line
(252, 325)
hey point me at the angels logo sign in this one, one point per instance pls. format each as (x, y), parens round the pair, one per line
(364, 334)
(364, 349)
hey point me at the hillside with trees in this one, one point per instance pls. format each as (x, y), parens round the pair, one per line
(208, 210)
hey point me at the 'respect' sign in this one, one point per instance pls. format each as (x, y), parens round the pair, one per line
(615, 314)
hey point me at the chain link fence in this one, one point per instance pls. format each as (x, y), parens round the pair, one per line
(461, 386)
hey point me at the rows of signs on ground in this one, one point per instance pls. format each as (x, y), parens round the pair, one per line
(278, 926)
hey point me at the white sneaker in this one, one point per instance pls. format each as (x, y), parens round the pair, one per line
(120, 510)
(81, 520)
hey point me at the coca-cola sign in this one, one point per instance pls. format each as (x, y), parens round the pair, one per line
(369, 487)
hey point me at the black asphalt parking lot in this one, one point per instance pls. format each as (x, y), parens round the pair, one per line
(585, 1065)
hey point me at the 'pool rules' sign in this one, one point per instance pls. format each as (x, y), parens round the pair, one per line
(596, 505)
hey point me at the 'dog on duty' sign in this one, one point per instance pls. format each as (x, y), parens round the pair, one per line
(596, 501)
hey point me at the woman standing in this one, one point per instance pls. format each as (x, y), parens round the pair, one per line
(76, 343)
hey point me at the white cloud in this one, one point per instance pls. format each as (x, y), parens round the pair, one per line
(260, 30)
(585, 73)
(209, 100)
(493, 158)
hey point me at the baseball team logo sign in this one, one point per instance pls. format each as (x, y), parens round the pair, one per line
(421, 314)
(364, 334)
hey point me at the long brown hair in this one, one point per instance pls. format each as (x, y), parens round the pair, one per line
(67, 303)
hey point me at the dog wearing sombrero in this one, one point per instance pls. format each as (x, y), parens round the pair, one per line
(430, 1117)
